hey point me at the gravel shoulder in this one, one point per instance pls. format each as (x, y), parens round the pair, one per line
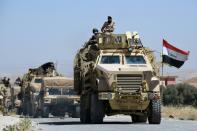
(8, 120)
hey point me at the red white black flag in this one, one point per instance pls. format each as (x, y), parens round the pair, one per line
(173, 56)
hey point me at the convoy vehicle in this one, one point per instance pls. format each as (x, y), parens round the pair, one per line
(56, 97)
(26, 101)
(117, 75)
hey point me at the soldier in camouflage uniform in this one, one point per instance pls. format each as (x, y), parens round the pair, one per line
(7, 83)
(1, 102)
(93, 39)
(108, 26)
(3, 95)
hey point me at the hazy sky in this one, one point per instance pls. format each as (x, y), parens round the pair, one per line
(34, 32)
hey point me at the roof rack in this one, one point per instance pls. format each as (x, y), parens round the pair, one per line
(117, 41)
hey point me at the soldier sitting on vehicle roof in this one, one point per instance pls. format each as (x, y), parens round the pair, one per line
(108, 26)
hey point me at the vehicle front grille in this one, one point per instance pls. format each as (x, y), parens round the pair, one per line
(129, 83)
(59, 101)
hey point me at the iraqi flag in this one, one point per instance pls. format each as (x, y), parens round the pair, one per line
(173, 56)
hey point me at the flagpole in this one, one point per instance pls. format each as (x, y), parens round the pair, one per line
(163, 81)
(162, 62)
(162, 69)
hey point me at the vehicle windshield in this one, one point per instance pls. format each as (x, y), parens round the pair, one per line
(38, 80)
(54, 91)
(110, 60)
(135, 60)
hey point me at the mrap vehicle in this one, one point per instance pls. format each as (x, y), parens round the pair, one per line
(116, 74)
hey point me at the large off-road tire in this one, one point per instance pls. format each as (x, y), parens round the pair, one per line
(25, 108)
(45, 112)
(19, 111)
(139, 119)
(84, 110)
(36, 115)
(97, 110)
(75, 111)
(28, 107)
(155, 112)
(32, 109)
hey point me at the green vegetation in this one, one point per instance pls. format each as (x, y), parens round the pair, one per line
(180, 95)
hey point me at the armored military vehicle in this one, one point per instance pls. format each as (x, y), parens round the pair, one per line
(116, 74)
(56, 97)
(30, 87)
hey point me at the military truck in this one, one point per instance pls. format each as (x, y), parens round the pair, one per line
(117, 75)
(30, 87)
(56, 97)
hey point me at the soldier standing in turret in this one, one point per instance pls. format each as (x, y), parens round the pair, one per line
(92, 40)
(108, 26)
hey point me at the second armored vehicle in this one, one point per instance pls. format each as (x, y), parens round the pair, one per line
(56, 97)
(30, 87)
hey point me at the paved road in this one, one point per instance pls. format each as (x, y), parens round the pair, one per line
(117, 123)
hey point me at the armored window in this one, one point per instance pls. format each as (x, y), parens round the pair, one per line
(135, 60)
(54, 91)
(69, 92)
(110, 60)
(38, 80)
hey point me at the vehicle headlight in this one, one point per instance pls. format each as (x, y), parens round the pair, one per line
(144, 86)
(76, 102)
(113, 85)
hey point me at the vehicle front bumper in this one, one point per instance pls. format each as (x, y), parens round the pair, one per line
(119, 101)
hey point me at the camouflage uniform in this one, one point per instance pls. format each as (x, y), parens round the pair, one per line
(108, 27)
(93, 39)
(3, 94)
(1, 102)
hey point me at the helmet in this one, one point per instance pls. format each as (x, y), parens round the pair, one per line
(109, 17)
(95, 30)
